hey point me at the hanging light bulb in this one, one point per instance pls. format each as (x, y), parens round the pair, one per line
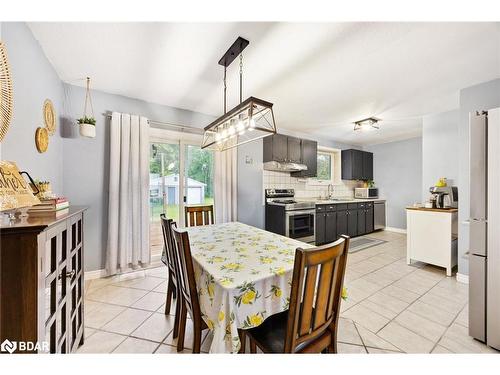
(251, 124)
(231, 131)
(240, 126)
(217, 137)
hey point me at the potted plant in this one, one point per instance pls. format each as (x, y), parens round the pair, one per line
(87, 122)
(87, 126)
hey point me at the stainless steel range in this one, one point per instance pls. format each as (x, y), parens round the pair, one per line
(286, 216)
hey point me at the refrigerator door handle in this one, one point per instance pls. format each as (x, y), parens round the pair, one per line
(477, 237)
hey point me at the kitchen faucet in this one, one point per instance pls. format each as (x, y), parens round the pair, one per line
(330, 193)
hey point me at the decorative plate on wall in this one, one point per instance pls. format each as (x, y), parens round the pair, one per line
(5, 92)
(41, 139)
(49, 116)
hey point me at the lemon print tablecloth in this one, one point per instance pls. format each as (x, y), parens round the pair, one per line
(243, 275)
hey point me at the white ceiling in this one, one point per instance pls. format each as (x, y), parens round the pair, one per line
(321, 77)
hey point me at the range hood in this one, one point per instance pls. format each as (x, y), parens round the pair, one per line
(284, 166)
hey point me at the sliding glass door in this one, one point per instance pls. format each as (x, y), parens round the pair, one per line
(163, 189)
(180, 174)
(199, 175)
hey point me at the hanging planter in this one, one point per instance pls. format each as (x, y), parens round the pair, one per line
(87, 122)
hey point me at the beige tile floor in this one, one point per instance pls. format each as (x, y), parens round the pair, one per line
(391, 308)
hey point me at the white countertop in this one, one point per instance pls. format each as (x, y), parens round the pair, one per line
(339, 200)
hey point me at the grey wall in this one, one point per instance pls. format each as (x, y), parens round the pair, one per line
(479, 97)
(397, 172)
(250, 185)
(34, 80)
(439, 149)
(86, 160)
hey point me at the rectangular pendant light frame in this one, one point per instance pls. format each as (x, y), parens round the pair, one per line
(252, 109)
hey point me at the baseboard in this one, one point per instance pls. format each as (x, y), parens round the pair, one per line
(461, 278)
(124, 274)
(97, 274)
(396, 230)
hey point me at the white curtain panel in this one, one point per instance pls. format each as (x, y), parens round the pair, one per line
(128, 213)
(226, 186)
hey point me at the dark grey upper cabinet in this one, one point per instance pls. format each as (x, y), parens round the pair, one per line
(282, 148)
(294, 152)
(367, 166)
(357, 165)
(309, 157)
(276, 148)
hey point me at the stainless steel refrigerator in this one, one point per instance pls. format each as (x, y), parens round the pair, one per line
(484, 234)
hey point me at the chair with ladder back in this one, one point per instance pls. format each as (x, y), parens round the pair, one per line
(310, 324)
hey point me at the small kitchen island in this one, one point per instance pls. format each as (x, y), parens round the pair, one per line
(432, 236)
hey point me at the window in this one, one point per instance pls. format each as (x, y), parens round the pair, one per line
(328, 167)
(324, 166)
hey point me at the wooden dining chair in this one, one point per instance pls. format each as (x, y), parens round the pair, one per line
(310, 325)
(199, 215)
(172, 265)
(188, 300)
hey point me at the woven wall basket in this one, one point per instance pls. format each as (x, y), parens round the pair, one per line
(5, 93)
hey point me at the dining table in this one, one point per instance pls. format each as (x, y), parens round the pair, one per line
(243, 275)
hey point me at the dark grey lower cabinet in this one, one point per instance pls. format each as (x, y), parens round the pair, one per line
(334, 220)
(342, 222)
(331, 226)
(320, 230)
(326, 226)
(361, 221)
(352, 222)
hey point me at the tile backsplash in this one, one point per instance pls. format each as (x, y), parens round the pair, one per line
(305, 189)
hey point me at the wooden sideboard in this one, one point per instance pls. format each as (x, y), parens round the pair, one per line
(42, 282)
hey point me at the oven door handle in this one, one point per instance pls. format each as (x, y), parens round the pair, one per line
(295, 213)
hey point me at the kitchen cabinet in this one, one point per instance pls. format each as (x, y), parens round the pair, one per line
(367, 173)
(276, 148)
(352, 222)
(309, 157)
(351, 219)
(357, 165)
(432, 237)
(342, 222)
(326, 224)
(282, 148)
(331, 227)
(369, 218)
(320, 229)
(293, 151)
(285, 149)
(361, 213)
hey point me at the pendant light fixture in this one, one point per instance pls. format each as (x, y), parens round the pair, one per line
(250, 120)
(369, 123)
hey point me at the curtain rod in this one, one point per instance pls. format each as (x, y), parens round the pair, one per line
(192, 129)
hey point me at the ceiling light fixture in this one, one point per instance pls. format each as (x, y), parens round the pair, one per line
(250, 120)
(367, 124)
